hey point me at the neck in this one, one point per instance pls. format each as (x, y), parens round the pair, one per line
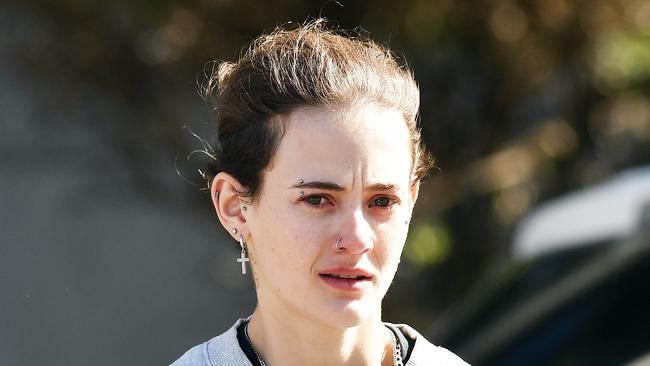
(280, 339)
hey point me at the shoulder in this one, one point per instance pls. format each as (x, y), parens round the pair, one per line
(221, 350)
(427, 354)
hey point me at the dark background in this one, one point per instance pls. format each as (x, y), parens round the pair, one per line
(108, 256)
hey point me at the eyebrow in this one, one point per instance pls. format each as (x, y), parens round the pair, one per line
(321, 185)
(328, 186)
(382, 187)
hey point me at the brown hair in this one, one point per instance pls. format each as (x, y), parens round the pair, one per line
(290, 68)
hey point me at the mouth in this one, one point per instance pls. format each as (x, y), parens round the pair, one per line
(346, 281)
(345, 277)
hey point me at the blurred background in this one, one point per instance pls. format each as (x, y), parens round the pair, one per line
(529, 244)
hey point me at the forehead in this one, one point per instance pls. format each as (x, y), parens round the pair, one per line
(366, 142)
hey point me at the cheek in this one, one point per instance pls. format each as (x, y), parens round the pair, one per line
(389, 255)
(283, 242)
(392, 238)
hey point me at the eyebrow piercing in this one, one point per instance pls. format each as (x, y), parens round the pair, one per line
(301, 193)
(301, 181)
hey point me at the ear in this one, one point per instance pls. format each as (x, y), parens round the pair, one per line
(228, 203)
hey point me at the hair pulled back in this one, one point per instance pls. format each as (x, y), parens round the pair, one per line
(291, 68)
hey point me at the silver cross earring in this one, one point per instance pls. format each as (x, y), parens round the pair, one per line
(243, 259)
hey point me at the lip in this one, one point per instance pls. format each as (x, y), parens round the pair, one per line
(346, 284)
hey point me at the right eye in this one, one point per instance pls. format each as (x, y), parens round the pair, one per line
(316, 200)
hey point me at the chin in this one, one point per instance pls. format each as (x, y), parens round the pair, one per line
(351, 313)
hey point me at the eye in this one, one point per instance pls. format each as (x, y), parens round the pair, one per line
(316, 200)
(383, 202)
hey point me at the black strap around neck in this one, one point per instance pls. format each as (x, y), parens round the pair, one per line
(406, 343)
(246, 346)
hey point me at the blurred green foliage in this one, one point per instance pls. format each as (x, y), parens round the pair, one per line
(623, 60)
(428, 244)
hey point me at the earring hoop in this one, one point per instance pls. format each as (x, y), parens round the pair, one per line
(337, 244)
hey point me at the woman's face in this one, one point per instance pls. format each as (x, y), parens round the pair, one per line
(337, 173)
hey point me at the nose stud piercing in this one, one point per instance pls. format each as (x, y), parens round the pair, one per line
(337, 244)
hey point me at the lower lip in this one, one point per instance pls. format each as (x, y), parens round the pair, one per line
(346, 284)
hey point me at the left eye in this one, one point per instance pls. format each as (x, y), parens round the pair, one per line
(383, 202)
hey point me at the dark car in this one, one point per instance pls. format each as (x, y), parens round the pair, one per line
(576, 290)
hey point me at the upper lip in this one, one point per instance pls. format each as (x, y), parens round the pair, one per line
(346, 271)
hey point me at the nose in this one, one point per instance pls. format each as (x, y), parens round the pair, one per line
(356, 235)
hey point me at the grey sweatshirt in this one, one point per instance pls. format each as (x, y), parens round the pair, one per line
(224, 350)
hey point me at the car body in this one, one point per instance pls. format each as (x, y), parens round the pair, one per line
(575, 290)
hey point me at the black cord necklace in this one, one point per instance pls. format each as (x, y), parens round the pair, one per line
(397, 354)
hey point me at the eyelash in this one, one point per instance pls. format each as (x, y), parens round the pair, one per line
(390, 204)
(306, 199)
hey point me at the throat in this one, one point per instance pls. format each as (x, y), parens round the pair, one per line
(275, 342)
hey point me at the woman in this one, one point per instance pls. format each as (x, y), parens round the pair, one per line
(319, 169)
